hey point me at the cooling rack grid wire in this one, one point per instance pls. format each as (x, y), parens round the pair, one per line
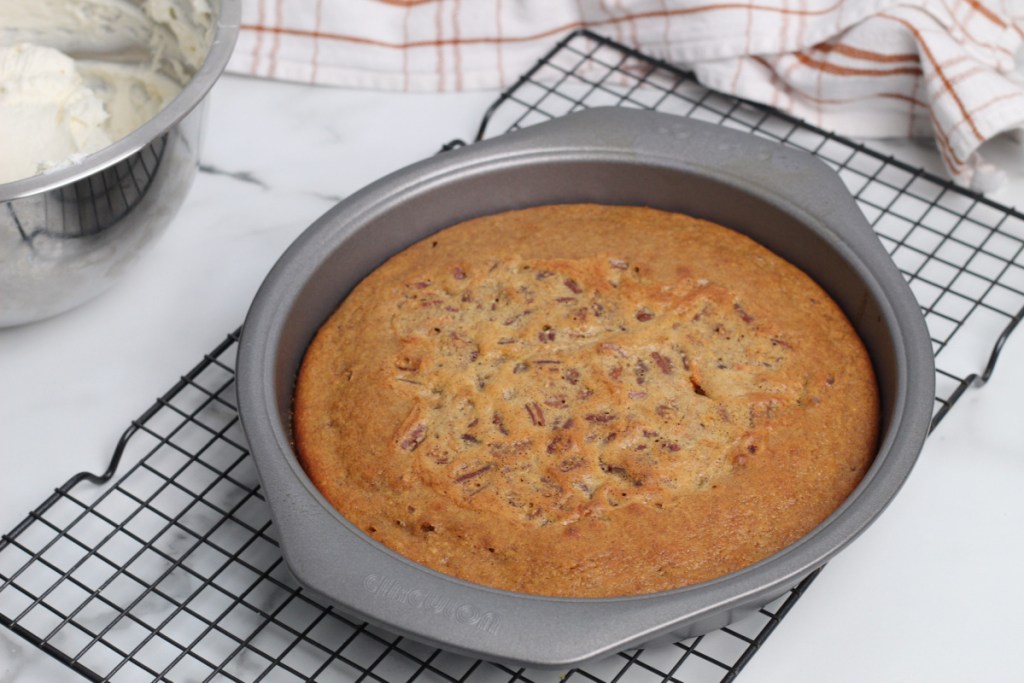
(173, 572)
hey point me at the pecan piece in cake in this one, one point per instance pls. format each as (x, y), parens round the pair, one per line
(664, 364)
(414, 437)
(536, 413)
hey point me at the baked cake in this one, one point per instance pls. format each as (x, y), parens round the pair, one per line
(584, 400)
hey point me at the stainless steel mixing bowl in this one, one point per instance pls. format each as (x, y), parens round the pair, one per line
(68, 235)
(783, 198)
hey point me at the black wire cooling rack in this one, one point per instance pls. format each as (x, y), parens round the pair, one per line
(173, 571)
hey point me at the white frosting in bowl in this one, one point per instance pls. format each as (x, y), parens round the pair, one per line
(78, 75)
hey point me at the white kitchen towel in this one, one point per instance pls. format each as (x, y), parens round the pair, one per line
(863, 68)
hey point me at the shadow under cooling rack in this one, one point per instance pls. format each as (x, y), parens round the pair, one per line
(173, 571)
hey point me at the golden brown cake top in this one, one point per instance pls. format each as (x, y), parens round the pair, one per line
(586, 400)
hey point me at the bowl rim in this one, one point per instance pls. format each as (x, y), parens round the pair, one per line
(225, 34)
(570, 138)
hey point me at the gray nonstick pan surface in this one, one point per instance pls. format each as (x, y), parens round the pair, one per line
(785, 199)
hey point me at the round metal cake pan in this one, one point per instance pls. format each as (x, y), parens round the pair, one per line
(785, 199)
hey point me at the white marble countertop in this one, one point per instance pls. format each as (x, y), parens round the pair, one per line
(932, 591)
